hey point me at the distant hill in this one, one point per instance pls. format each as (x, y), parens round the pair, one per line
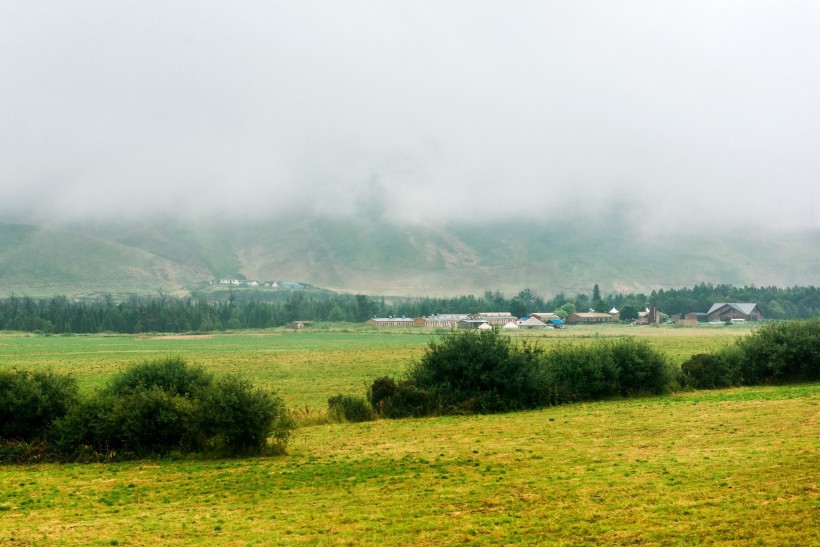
(379, 257)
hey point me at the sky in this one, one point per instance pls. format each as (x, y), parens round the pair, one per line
(691, 112)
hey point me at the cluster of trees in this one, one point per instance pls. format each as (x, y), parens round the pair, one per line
(779, 352)
(153, 408)
(162, 313)
(472, 371)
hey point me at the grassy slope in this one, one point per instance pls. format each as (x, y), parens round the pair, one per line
(377, 257)
(43, 262)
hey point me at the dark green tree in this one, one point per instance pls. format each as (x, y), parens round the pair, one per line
(629, 312)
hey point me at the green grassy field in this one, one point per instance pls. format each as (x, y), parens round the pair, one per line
(305, 367)
(737, 466)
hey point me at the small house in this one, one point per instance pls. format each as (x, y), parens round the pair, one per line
(532, 323)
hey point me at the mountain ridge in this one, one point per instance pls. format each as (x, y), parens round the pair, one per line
(379, 257)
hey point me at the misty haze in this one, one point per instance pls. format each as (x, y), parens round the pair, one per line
(544, 144)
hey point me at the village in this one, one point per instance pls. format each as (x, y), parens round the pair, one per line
(722, 312)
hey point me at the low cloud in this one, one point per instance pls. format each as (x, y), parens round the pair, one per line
(419, 113)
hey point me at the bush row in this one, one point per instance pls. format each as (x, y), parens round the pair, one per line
(153, 408)
(775, 353)
(474, 371)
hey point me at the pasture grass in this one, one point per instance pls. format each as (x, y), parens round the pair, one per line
(307, 366)
(737, 466)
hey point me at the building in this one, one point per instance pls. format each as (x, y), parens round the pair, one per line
(734, 312)
(391, 322)
(494, 318)
(441, 321)
(648, 317)
(693, 318)
(473, 324)
(532, 323)
(544, 316)
(591, 318)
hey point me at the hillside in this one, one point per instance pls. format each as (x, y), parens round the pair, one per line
(378, 257)
(38, 261)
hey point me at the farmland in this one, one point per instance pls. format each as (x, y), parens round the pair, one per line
(732, 466)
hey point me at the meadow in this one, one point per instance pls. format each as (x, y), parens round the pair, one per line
(306, 366)
(736, 466)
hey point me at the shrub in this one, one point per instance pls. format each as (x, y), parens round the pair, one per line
(641, 368)
(165, 406)
(480, 371)
(473, 371)
(350, 408)
(31, 401)
(782, 352)
(393, 399)
(17, 452)
(237, 419)
(624, 367)
(710, 371)
(171, 374)
(580, 373)
(141, 422)
(381, 389)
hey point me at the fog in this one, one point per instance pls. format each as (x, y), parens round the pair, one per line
(693, 112)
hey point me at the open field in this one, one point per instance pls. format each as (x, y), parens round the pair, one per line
(737, 466)
(306, 367)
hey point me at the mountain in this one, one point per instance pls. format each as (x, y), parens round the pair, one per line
(375, 256)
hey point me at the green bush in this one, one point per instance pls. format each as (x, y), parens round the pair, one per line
(31, 401)
(624, 367)
(236, 419)
(349, 408)
(23, 452)
(641, 368)
(171, 374)
(141, 422)
(580, 373)
(710, 371)
(380, 390)
(779, 352)
(474, 371)
(166, 406)
(393, 399)
(479, 371)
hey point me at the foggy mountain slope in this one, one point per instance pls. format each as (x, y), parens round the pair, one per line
(379, 257)
(203, 249)
(37, 261)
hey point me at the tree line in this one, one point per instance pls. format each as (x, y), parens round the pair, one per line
(163, 313)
